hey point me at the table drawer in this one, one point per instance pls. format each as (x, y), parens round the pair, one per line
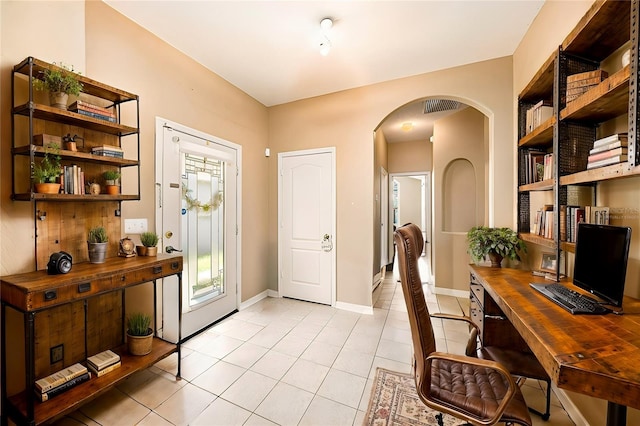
(149, 273)
(67, 293)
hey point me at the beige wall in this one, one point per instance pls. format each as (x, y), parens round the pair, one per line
(409, 157)
(459, 137)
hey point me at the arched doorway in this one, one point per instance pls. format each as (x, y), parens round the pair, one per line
(447, 139)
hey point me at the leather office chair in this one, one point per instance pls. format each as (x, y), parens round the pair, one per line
(475, 390)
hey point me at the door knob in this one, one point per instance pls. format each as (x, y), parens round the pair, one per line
(170, 249)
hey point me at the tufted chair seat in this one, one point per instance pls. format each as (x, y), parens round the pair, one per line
(478, 391)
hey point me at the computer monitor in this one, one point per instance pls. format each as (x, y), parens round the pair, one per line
(600, 265)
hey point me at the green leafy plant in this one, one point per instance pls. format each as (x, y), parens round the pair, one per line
(98, 235)
(111, 175)
(139, 324)
(149, 239)
(48, 169)
(58, 79)
(502, 241)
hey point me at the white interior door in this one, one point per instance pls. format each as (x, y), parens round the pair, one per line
(306, 213)
(197, 214)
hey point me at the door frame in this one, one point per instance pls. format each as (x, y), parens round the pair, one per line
(159, 125)
(306, 152)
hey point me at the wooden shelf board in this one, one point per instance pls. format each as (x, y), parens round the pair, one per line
(73, 398)
(544, 185)
(76, 155)
(601, 31)
(569, 247)
(607, 100)
(35, 196)
(90, 87)
(540, 136)
(46, 112)
(537, 239)
(541, 85)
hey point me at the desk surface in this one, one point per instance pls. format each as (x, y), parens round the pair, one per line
(597, 355)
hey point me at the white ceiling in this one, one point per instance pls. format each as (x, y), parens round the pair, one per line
(270, 49)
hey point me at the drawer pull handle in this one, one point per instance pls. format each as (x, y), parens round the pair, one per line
(157, 269)
(495, 317)
(50, 295)
(84, 287)
(175, 265)
(123, 278)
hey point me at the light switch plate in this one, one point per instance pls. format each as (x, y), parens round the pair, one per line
(135, 226)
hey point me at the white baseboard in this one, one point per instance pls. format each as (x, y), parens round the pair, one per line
(255, 299)
(360, 309)
(450, 292)
(568, 405)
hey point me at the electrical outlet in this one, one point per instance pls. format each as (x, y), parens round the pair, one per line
(56, 353)
(135, 226)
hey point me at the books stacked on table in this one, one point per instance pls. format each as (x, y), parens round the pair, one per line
(103, 363)
(578, 84)
(607, 151)
(91, 110)
(108, 151)
(61, 381)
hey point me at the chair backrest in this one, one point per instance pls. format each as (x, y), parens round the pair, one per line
(409, 243)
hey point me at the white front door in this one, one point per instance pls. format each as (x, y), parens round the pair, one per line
(306, 215)
(197, 214)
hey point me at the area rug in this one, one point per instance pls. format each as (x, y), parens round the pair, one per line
(394, 402)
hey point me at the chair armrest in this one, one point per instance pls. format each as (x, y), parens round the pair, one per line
(456, 318)
(511, 390)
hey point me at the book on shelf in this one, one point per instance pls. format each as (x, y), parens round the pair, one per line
(548, 172)
(574, 215)
(596, 214)
(607, 161)
(60, 377)
(610, 139)
(72, 180)
(45, 396)
(533, 163)
(95, 115)
(105, 370)
(538, 114)
(607, 154)
(612, 145)
(87, 106)
(579, 84)
(108, 151)
(103, 359)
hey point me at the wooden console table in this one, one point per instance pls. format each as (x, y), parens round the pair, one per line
(596, 355)
(36, 294)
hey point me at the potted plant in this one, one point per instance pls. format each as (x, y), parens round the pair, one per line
(111, 181)
(139, 334)
(149, 242)
(47, 171)
(97, 244)
(495, 243)
(61, 82)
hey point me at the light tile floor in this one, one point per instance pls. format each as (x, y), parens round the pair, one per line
(284, 362)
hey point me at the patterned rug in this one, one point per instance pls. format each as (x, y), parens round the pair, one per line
(394, 402)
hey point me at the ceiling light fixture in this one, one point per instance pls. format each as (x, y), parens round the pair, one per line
(406, 126)
(325, 44)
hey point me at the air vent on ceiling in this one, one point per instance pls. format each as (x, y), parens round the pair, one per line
(437, 105)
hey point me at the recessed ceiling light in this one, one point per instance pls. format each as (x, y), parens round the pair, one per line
(406, 126)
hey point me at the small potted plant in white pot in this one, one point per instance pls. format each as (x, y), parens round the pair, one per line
(149, 242)
(47, 171)
(61, 82)
(97, 244)
(111, 181)
(494, 243)
(139, 334)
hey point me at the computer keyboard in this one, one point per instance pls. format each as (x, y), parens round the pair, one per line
(570, 300)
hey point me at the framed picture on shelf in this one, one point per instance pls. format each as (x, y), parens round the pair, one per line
(548, 262)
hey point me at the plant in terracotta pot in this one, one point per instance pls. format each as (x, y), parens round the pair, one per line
(60, 82)
(97, 240)
(111, 181)
(139, 334)
(494, 243)
(149, 242)
(47, 171)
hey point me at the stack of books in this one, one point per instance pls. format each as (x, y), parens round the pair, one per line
(538, 114)
(578, 84)
(108, 151)
(543, 222)
(103, 363)
(91, 110)
(61, 381)
(607, 151)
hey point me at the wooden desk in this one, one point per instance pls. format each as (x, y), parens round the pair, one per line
(596, 355)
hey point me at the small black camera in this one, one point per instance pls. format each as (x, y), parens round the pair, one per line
(59, 263)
